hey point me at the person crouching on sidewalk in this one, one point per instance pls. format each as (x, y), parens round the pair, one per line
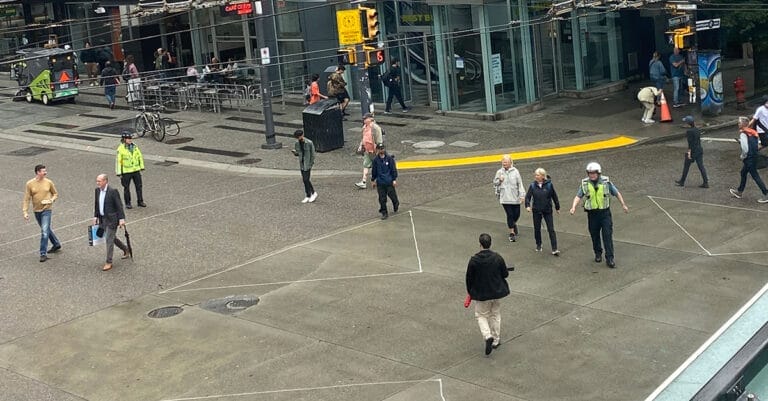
(647, 96)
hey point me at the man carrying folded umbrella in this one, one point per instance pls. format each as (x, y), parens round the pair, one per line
(108, 213)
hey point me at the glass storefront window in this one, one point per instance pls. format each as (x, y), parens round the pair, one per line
(506, 50)
(463, 48)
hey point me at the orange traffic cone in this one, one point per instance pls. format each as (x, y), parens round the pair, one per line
(666, 116)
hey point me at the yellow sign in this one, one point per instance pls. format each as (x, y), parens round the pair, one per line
(349, 26)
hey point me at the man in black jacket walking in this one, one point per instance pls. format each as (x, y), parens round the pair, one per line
(108, 213)
(695, 153)
(384, 178)
(486, 285)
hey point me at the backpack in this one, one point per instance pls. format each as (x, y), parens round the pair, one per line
(385, 79)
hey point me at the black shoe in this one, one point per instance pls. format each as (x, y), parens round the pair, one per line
(43, 258)
(512, 238)
(598, 258)
(384, 216)
(488, 345)
(128, 206)
(610, 263)
(142, 204)
(496, 345)
(704, 185)
(679, 183)
(54, 249)
(395, 208)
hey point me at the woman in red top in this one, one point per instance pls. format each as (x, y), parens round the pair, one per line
(314, 90)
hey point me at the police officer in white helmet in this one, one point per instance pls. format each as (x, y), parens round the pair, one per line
(596, 190)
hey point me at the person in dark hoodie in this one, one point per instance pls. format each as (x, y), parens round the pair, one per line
(384, 178)
(538, 200)
(486, 285)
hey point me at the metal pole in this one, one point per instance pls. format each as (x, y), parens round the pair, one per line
(266, 98)
(366, 105)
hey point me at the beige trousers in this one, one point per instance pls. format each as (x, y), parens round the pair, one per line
(488, 315)
(649, 106)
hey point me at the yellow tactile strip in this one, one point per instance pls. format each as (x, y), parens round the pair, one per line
(616, 142)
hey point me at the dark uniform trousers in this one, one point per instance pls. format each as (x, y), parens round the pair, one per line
(601, 222)
(125, 179)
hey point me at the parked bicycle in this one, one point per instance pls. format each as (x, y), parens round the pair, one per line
(149, 120)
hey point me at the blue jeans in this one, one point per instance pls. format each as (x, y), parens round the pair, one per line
(44, 221)
(676, 81)
(109, 93)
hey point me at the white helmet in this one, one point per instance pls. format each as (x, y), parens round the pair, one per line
(594, 167)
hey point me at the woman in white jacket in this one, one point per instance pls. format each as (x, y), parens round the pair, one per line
(511, 193)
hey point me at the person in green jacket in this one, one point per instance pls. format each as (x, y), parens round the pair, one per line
(305, 150)
(128, 166)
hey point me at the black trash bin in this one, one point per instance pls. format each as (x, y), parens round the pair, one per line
(322, 125)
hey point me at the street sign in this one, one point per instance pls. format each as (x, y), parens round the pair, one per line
(264, 55)
(678, 21)
(706, 24)
(349, 26)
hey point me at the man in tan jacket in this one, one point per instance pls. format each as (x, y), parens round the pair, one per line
(41, 191)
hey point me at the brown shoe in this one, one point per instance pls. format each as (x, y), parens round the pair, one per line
(106, 267)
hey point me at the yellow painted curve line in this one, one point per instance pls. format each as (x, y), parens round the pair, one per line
(616, 142)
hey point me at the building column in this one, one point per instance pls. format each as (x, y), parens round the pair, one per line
(613, 48)
(527, 46)
(443, 69)
(578, 42)
(485, 47)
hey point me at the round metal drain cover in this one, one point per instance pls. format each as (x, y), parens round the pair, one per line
(231, 304)
(166, 311)
(176, 141)
(248, 161)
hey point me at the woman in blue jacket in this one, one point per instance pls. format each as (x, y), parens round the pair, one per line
(538, 200)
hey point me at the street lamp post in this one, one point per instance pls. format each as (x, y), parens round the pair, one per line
(262, 11)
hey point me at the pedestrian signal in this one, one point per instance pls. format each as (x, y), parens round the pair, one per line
(370, 23)
(373, 56)
(346, 56)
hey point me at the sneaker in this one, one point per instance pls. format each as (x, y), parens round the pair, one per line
(305, 200)
(598, 258)
(43, 258)
(128, 206)
(650, 121)
(679, 183)
(395, 208)
(556, 252)
(764, 199)
(610, 263)
(54, 249)
(387, 112)
(512, 238)
(313, 197)
(361, 185)
(538, 249)
(384, 216)
(704, 185)
(407, 109)
(496, 344)
(676, 105)
(488, 345)
(736, 194)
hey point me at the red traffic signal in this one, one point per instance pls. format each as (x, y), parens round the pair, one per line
(374, 56)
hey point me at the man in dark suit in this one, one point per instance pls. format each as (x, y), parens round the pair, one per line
(108, 213)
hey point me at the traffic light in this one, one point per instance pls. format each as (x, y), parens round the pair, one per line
(346, 56)
(373, 56)
(683, 38)
(370, 23)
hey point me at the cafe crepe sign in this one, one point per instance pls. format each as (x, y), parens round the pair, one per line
(239, 8)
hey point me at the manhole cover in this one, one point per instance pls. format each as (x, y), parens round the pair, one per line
(248, 161)
(176, 141)
(166, 311)
(230, 304)
(428, 144)
(29, 151)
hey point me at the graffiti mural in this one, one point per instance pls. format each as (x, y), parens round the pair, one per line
(710, 83)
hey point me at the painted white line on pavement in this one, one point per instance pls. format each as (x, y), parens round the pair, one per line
(679, 225)
(288, 390)
(738, 253)
(732, 140)
(291, 247)
(712, 204)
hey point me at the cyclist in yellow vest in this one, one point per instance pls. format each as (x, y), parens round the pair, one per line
(596, 190)
(128, 167)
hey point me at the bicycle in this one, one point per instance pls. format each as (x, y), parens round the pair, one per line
(149, 120)
(171, 126)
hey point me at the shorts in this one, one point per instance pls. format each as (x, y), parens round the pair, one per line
(342, 95)
(367, 160)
